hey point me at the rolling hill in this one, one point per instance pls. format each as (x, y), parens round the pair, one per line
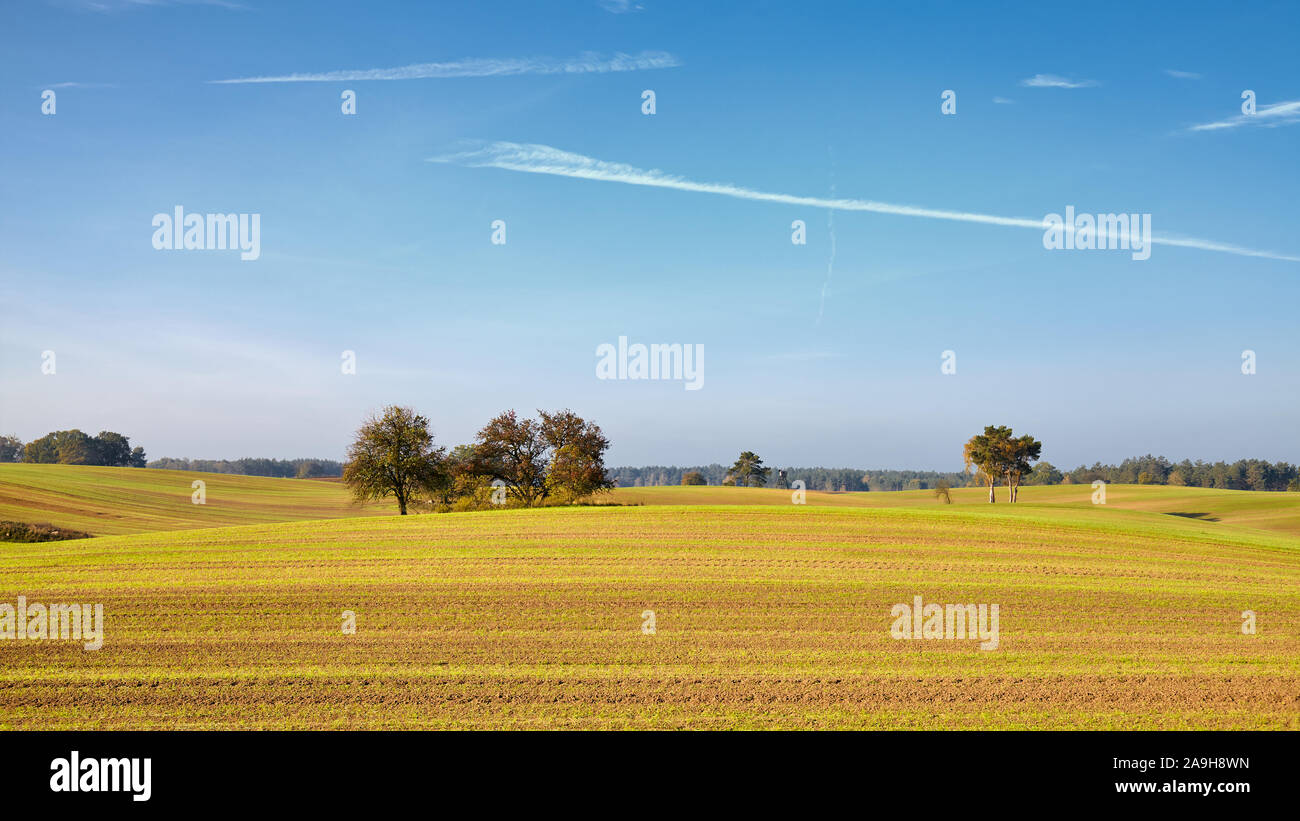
(108, 501)
(1272, 512)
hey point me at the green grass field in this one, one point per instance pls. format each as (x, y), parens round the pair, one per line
(768, 615)
(1274, 512)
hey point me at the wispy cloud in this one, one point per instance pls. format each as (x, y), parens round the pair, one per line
(620, 6)
(544, 159)
(123, 5)
(81, 85)
(1182, 75)
(1053, 81)
(588, 63)
(800, 356)
(1002, 101)
(1269, 116)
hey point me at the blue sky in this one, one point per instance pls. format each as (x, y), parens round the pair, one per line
(367, 245)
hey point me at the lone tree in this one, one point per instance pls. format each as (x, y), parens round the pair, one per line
(942, 491)
(693, 477)
(393, 455)
(996, 453)
(749, 471)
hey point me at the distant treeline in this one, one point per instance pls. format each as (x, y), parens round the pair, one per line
(280, 468)
(834, 479)
(1243, 474)
(108, 448)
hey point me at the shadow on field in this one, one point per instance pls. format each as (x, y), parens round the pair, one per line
(1204, 517)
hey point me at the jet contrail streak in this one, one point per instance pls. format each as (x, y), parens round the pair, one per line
(543, 159)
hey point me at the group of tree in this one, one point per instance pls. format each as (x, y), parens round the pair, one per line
(513, 462)
(279, 468)
(74, 447)
(998, 455)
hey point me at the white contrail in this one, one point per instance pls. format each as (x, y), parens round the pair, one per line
(543, 159)
(830, 262)
(830, 229)
(588, 63)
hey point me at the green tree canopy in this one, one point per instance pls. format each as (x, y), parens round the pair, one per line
(1044, 473)
(989, 452)
(1021, 453)
(111, 448)
(748, 471)
(11, 448)
(393, 455)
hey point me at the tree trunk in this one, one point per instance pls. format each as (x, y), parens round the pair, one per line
(992, 498)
